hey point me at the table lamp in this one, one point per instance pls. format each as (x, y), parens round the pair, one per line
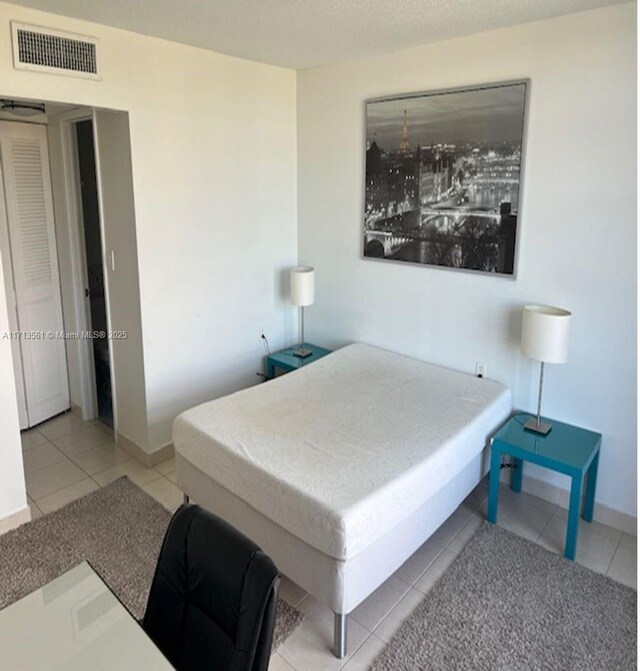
(302, 295)
(545, 337)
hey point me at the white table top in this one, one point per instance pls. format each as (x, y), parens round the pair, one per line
(75, 623)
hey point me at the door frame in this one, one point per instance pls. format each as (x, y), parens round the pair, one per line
(107, 268)
(79, 270)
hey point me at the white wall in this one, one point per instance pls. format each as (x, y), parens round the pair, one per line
(13, 496)
(578, 223)
(213, 144)
(117, 215)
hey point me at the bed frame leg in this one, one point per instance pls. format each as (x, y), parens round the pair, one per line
(185, 499)
(340, 635)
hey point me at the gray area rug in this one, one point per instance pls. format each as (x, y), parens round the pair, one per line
(507, 604)
(119, 530)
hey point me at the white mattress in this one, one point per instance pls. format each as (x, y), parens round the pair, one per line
(342, 450)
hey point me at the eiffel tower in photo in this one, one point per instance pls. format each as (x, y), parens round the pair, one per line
(405, 148)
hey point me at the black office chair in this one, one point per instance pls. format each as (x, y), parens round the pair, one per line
(213, 598)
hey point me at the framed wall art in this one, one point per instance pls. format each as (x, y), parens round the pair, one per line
(443, 177)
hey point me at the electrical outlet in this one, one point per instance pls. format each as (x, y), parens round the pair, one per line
(481, 369)
(264, 340)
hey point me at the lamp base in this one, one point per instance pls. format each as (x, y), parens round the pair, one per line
(302, 353)
(532, 425)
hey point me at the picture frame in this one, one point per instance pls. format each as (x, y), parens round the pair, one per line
(444, 173)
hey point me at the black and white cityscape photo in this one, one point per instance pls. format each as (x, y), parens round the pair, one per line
(443, 178)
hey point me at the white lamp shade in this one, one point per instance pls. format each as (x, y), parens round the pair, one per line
(545, 333)
(303, 286)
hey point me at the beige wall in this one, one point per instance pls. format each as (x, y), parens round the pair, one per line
(578, 223)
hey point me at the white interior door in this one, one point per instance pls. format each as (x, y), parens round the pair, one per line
(32, 243)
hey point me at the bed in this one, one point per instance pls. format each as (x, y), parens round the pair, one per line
(342, 469)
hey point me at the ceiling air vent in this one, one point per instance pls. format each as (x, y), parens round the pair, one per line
(54, 51)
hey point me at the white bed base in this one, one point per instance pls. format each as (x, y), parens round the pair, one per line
(341, 585)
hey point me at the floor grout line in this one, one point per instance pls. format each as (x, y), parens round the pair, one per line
(94, 480)
(546, 524)
(352, 654)
(306, 596)
(126, 461)
(613, 556)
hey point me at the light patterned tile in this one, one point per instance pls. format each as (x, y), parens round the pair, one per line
(277, 663)
(447, 532)
(173, 476)
(387, 629)
(52, 479)
(82, 441)
(431, 575)
(40, 456)
(624, 566)
(133, 469)
(101, 458)
(165, 492)
(103, 427)
(479, 495)
(67, 495)
(379, 604)
(466, 534)
(31, 438)
(523, 514)
(166, 467)
(561, 517)
(595, 551)
(62, 425)
(629, 541)
(309, 648)
(365, 655)
(291, 592)
(521, 526)
(419, 562)
(35, 511)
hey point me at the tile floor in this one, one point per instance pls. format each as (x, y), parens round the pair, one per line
(66, 458)
(375, 621)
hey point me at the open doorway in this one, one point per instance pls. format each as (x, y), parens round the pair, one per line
(93, 252)
(66, 171)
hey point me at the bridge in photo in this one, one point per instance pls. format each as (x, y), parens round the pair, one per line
(390, 241)
(458, 213)
(495, 180)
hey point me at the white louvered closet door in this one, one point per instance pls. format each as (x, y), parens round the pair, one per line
(29, 206)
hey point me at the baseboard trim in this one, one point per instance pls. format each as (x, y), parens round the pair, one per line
(15, 519)
(555, 494)
(148, 459)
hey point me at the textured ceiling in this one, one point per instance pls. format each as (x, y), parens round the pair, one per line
(306, 33)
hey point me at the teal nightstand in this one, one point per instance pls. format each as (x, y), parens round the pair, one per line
(285, 359)
(566, 449)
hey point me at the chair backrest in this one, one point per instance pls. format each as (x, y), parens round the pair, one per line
(213, 598)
